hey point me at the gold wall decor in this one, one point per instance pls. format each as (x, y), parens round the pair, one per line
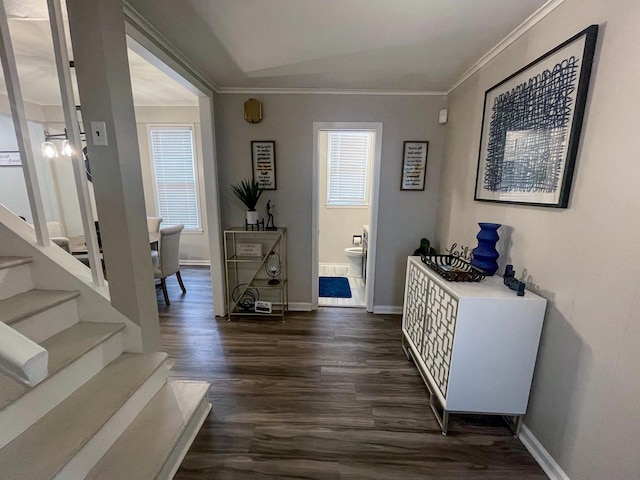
(253, 111)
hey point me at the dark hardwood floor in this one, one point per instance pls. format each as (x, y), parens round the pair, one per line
(325, 395)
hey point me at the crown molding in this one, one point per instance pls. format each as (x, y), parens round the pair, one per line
(138, 22)
(520, 30)
(325, 91)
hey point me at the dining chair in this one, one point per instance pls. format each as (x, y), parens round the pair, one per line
(166, 258)
(153, 224)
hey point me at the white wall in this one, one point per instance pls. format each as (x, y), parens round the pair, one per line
(13, 190)
(584, 260)
(404, 217)
(337, 225)
(194, 246)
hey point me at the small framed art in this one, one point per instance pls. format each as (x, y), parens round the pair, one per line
(263, 159)
(414, 165)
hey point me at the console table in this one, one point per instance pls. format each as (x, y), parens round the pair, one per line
(474, 343)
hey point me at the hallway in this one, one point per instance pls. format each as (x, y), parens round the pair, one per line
(326, 395)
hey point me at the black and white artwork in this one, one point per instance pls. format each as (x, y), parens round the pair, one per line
(531, 127)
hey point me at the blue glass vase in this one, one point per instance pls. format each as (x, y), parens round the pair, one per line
(485, 255)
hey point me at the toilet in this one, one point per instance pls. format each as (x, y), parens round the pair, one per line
(354, 255)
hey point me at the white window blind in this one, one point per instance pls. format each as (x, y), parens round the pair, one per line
(348, 158)
(175, 175)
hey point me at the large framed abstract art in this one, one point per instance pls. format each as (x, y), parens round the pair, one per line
(531, 127)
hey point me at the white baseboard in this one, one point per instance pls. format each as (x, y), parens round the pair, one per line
(195, 263)
(387, 309)
(540, 454)
(299, 307)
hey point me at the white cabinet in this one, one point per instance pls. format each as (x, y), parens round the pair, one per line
(474, 343)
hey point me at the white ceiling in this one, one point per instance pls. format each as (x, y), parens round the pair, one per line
(391, 45)
(418, 45)
(31, 38)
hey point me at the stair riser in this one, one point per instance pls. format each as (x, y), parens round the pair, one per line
(188, 436)
(97, 446)
(15, 280)
(46, 324)
(32, 406)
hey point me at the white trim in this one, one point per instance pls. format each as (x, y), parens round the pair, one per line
(387, 310)
(326, 91)
(520, 30)
(140, 30)
(374, 201)
(540, 454)
(195, 263)
(301, 307)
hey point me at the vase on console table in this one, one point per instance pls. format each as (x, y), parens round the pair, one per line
(485, 255)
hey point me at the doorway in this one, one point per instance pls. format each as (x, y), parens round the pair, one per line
(346, 173)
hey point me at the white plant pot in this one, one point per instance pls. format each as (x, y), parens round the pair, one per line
(252, 217)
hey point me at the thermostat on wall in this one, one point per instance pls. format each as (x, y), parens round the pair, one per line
(443, 116)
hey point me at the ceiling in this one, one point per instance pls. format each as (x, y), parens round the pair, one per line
(31, 38)
(380, 45)
(415, 45)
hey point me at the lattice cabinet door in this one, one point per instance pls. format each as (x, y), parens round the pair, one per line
(416, 295)
(437, 344)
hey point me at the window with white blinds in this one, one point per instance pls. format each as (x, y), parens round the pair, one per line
(347, 161)
(174, 167)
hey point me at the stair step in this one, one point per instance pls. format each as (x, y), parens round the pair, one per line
(27, 304)
(15, 276)
(49, 446)
(40, 314)
(63, 348)
(77, 354)
(8, 262)
(171, 419)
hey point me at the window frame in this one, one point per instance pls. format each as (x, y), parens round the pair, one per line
(367, 179)
(196, 174)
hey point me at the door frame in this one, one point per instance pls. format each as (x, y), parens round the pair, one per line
(373, 206)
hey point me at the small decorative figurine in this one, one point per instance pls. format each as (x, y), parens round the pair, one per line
(425, 248)
(511, 281)
(270, 225)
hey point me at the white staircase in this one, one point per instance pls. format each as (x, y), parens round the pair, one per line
(101, 413)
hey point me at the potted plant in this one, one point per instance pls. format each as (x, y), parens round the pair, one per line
(248, 192)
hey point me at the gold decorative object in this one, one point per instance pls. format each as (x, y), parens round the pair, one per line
(253, 111)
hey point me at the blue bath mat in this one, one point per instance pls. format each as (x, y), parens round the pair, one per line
(335, 287)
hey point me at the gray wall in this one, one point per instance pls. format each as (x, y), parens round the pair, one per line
(584, 260)
(404, 217)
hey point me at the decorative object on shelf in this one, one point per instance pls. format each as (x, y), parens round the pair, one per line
(452, 268)
(245, 297)
(425, 248)
(462, 252)
(531, 127)
(248, 192)
(263, 307)
(273, 267)
(254, 227)
(270, 207)
(485, 255)
(414, 165)
(512, 282)
(249, 249)
(253, 111)
(263, 160)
